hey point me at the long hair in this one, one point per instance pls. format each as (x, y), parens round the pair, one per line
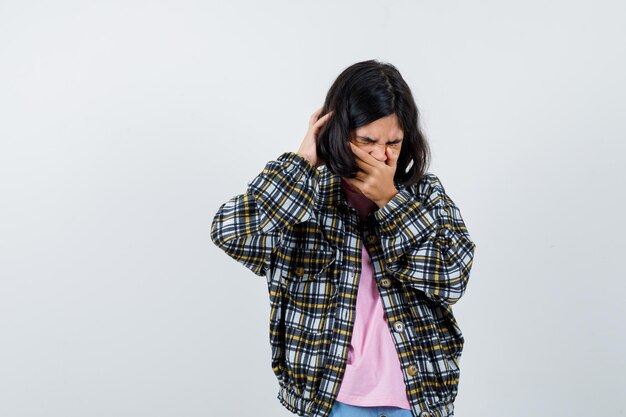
(362, 93)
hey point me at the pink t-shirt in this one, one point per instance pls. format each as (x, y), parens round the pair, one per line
(373, 374)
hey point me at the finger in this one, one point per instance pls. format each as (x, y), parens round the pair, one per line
(361, 176)
(367, 159)
(315, 116)
(360, 163)
(363, 166)
(321, 121)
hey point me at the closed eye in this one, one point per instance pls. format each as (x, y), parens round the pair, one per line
(368, 141)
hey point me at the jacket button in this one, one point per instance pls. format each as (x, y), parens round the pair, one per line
(371, 239)
(412, 370)
(385, 282)
(300, 271)
(398, 326)
(424, 414)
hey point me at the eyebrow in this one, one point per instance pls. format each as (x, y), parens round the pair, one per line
(372, 140)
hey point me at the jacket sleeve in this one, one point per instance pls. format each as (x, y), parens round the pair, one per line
(247, 227)
(425, 242)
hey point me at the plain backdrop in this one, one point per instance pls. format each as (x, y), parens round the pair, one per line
(124, 125)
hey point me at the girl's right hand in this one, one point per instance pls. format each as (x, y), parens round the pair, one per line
(308, 148)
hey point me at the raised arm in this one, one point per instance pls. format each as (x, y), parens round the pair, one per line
(425, 241)
(247, 227)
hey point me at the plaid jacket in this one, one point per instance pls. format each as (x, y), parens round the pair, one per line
(294, 226)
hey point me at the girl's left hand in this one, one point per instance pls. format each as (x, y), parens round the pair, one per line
(375, 180)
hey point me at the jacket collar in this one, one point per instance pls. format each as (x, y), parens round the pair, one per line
(330, 192)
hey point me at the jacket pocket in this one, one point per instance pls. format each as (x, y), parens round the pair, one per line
(306, 267)
(303, 253)
(305, 354)
(439, 343)
(443, 369)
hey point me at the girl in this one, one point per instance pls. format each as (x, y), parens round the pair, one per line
(364, 254)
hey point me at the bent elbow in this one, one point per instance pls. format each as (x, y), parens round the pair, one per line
(216, 232)
(463, 270)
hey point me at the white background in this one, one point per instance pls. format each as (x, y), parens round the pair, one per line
(125, 124)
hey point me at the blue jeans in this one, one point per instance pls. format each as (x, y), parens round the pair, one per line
(346, 410)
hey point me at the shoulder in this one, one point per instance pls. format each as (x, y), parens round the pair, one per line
(430, 179)
(429, 190)
(428, 184)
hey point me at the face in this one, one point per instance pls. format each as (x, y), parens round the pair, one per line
(378, 135)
